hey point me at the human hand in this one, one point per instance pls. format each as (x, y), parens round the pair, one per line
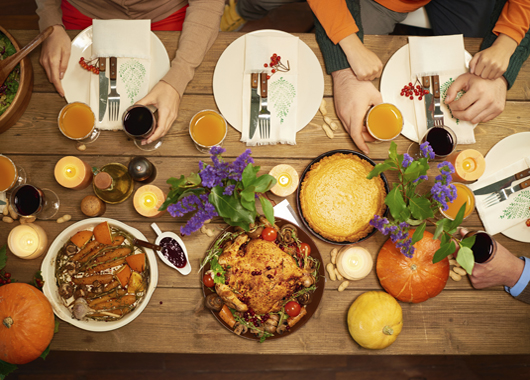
(503, 269)
(353, 99)
(167, 100)
(364, 63)
(492, 62)
(54, 56)
(483, 101)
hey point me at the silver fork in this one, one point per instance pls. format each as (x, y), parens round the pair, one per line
(114, 97)
(264, 116)
(438, 113)
(503, 194)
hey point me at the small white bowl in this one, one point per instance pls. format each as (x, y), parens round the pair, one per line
(187, 269)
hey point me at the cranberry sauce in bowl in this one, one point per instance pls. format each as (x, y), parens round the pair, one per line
(172, 251)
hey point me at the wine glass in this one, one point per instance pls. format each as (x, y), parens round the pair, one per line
(484, 248)
(139, 123)
(78, 123)
(28, 200)
(463, 195)
(11, 175)
(442, 140)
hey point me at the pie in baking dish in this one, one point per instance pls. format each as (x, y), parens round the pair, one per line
(337, 199)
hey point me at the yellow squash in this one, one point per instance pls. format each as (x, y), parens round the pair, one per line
(375, 320)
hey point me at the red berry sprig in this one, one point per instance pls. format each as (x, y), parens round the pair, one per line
(5, 278)
(92, 65)
(410, 91)
(276, 65)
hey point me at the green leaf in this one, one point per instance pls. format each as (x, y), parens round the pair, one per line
(248, 194)
(378, 169)
(444, 251)
(466, 259)
(264, 183)
(3, 257)
(196, 191)
(468, 242)
(392, 151)
(249, 174)
(440, 225)
(37, 276)
(412, 172)
(420, 208)
(230, 207)
(394, 201)
(218, 271)
(268, 211)
(459, 217)
(56, 329)
(6, 369)
(45, 353)
(176, 183)
(250, 206)
(418, 234)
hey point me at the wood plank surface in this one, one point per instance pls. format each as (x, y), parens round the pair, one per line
(460, 320)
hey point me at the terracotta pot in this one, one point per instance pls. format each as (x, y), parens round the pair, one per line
(21, 101)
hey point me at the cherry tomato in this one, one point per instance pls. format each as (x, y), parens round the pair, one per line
(208, 280)
(292, 309)
(269, 234)
(304, 249)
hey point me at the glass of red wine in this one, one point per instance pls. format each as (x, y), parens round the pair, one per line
(139, 123)
(442, 140)
(28, 200)
(484, 248)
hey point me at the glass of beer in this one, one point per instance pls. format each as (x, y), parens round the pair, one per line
(77, 122)
(207, 128)
(10, 174)
(139, 123)
(28, 200)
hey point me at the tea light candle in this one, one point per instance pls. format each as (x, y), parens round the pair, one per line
(286, 180)
(469, 165)
(147, 200)
(354, 263)
(73, 173)
(27, 241)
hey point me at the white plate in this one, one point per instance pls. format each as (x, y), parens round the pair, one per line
(76, 81)
(506, 152)
(396, 74)
(228, 81)
(50, 285)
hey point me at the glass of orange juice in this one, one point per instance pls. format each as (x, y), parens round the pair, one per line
(463, 195)
(384, 122)
(11, 175)
(77, 122)
(207, 129)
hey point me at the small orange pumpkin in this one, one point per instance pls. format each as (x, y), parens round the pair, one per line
(416, 279)
(26, 323)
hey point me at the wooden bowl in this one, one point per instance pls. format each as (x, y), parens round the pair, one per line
(21, 100)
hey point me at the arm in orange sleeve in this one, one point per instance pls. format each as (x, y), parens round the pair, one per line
(335, 18)
(514, 20)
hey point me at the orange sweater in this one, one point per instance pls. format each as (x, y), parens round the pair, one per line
(339, 23)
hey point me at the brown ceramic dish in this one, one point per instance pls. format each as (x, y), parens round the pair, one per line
(21, 100)
(311, 308)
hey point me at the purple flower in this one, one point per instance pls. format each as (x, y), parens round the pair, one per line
(379, 222)
(229, 190)
(239, 164)
(216, 150)
(204, 211)
(426, 150)
(446, 168)
(421, 177)
(407, 159)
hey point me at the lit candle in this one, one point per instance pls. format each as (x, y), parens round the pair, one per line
(27, 241)
(469, 165)
(73, 173)
(147, 200)
(286, 180)
(354, 263)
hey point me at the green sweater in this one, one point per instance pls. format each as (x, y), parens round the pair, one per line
(335, 59)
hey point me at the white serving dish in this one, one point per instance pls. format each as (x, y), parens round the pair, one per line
(187, 269)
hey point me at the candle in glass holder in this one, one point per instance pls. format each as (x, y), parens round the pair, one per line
(27, 241)
(73, 173)
(148, 199)
(469, 165)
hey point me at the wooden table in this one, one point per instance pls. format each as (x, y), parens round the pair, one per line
(460, 320)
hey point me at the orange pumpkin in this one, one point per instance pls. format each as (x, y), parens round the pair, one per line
(416, 279)
(26, 323)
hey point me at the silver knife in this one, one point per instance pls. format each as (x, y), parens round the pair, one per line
(103, 88)
(254, 105)
(502, 184)
(429, 104)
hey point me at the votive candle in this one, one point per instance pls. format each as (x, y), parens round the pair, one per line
(148, 199)
(27, 241)
(73, 173)
(469, 165)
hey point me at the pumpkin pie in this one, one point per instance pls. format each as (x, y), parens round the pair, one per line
(337, 199)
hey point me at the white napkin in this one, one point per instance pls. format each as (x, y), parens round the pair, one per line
(505, 214)
(130, 40)
(282, 88)
(445, 56)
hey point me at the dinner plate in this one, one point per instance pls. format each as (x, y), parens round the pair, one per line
(317, 295)
(395, 75)
(302, 177)
(506, 152)
(51, 290)
(228, 81)
(76, 80)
